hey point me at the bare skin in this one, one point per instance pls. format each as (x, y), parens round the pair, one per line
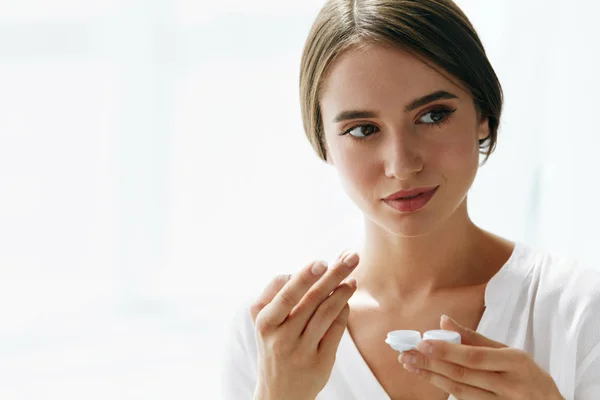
(372, 316)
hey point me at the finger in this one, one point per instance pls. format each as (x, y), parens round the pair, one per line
(487, 380)
(331, 339)
(300, 316)
(474, 357)
(345, 253)
(268, 294)
(457, 389)
(468, 336)
(276, 311)
(326, 313)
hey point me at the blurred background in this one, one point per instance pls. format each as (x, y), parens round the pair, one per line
(154, 175)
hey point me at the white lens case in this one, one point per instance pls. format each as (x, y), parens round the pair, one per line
(405, 340)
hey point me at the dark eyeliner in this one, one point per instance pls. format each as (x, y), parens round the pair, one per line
(354, 127)
(446, 111)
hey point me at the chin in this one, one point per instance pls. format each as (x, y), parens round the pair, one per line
(414, 224)
(408, 228)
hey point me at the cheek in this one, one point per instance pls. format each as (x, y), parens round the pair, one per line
(458, 158)
(357, 172)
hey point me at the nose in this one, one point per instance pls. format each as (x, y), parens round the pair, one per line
(402, 157)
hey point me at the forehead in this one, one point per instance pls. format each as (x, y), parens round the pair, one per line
(377, 73)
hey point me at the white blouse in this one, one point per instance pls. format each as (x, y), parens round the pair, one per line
(544, 305)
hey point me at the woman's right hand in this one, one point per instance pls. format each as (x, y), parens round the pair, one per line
(299, 323)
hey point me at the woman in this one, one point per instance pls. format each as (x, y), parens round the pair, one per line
(400, 98)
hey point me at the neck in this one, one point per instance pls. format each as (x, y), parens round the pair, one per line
(456, 256)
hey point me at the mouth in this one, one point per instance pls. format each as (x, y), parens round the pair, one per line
(409, 197)
(410, 203)
(411, 193)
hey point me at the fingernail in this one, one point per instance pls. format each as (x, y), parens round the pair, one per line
(319, 268)
(351, 260)
(425, 348)
(445, 318)
(411, 368)
(352, 282)
(407, 359)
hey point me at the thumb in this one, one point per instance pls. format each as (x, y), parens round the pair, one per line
(468, 336)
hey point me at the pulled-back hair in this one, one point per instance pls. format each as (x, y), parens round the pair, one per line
(436, 31)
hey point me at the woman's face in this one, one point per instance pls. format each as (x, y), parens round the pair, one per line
(382, 140)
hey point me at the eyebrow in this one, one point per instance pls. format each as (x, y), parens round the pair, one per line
(416, 103)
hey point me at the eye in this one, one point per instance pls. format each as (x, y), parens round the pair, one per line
(361, 131)
(435, 116)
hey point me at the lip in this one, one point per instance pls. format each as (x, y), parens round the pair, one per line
(412, 204)
(410, 192)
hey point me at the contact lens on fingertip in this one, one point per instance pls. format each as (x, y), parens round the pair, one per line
(405, 340)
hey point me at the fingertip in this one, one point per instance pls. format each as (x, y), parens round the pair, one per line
(343, 254)
(448, 320)
(319, 268)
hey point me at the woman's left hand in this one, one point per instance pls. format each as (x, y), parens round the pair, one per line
(479, 368)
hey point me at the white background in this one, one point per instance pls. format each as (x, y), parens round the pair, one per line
(154, 174)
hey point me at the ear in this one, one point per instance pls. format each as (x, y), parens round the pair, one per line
(483, 128)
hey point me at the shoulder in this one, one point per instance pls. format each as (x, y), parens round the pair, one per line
(546, 279)
(567, 291)
(575, 284)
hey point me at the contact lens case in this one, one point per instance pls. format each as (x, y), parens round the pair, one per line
(405, 340)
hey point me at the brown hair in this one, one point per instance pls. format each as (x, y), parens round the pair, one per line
(434, 30)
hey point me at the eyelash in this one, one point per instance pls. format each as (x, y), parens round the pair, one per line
(444, 110)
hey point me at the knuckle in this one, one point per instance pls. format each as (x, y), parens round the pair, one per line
(287, 298)
(261, 325)
(457, 389)
(256, 307)
(457, 372)
(341, 271)
(314, 296)
(475, 357)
